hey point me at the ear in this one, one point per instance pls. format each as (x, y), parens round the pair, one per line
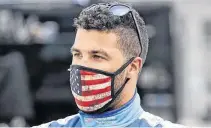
(135, 67)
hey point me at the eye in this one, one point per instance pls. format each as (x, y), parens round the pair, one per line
(77, 55)
(97, 57)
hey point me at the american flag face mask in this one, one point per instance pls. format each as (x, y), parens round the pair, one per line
(93, 89)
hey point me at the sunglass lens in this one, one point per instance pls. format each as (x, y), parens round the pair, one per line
(119, 10)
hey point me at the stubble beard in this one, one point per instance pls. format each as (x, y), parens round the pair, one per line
(118, 82)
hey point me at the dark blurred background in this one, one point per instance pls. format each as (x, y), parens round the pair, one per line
(35, 40)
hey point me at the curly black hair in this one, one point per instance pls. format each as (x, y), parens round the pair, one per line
(99, 17)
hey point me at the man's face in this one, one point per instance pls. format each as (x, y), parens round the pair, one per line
(98, 50)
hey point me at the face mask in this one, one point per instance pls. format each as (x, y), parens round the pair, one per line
(93, 89)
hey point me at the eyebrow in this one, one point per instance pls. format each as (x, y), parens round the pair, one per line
(100, 51)
(95, 51)
(74, 50)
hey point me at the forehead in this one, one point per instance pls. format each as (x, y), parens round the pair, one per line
(95, 39)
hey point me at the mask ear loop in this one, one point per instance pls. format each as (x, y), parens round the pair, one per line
(120, 90)
(114, 95)
(123, 66)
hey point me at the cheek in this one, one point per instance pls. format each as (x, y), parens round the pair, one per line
(119, 80)
(113, 65)
(104, 65)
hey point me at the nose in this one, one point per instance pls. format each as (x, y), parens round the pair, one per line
(83, 61)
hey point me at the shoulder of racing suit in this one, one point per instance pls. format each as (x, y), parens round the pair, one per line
(65, 122)
(145, 120)
(149, 120)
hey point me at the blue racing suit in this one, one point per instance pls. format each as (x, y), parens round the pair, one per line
(129, 115)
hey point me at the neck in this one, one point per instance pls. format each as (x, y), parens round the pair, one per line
(122, 116)
(125, 96)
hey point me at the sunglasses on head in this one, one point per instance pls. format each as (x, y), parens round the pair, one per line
(121, 10)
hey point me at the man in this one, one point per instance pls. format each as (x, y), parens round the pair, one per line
(110, 48)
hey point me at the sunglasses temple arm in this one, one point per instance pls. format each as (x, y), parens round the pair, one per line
(138, 31)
